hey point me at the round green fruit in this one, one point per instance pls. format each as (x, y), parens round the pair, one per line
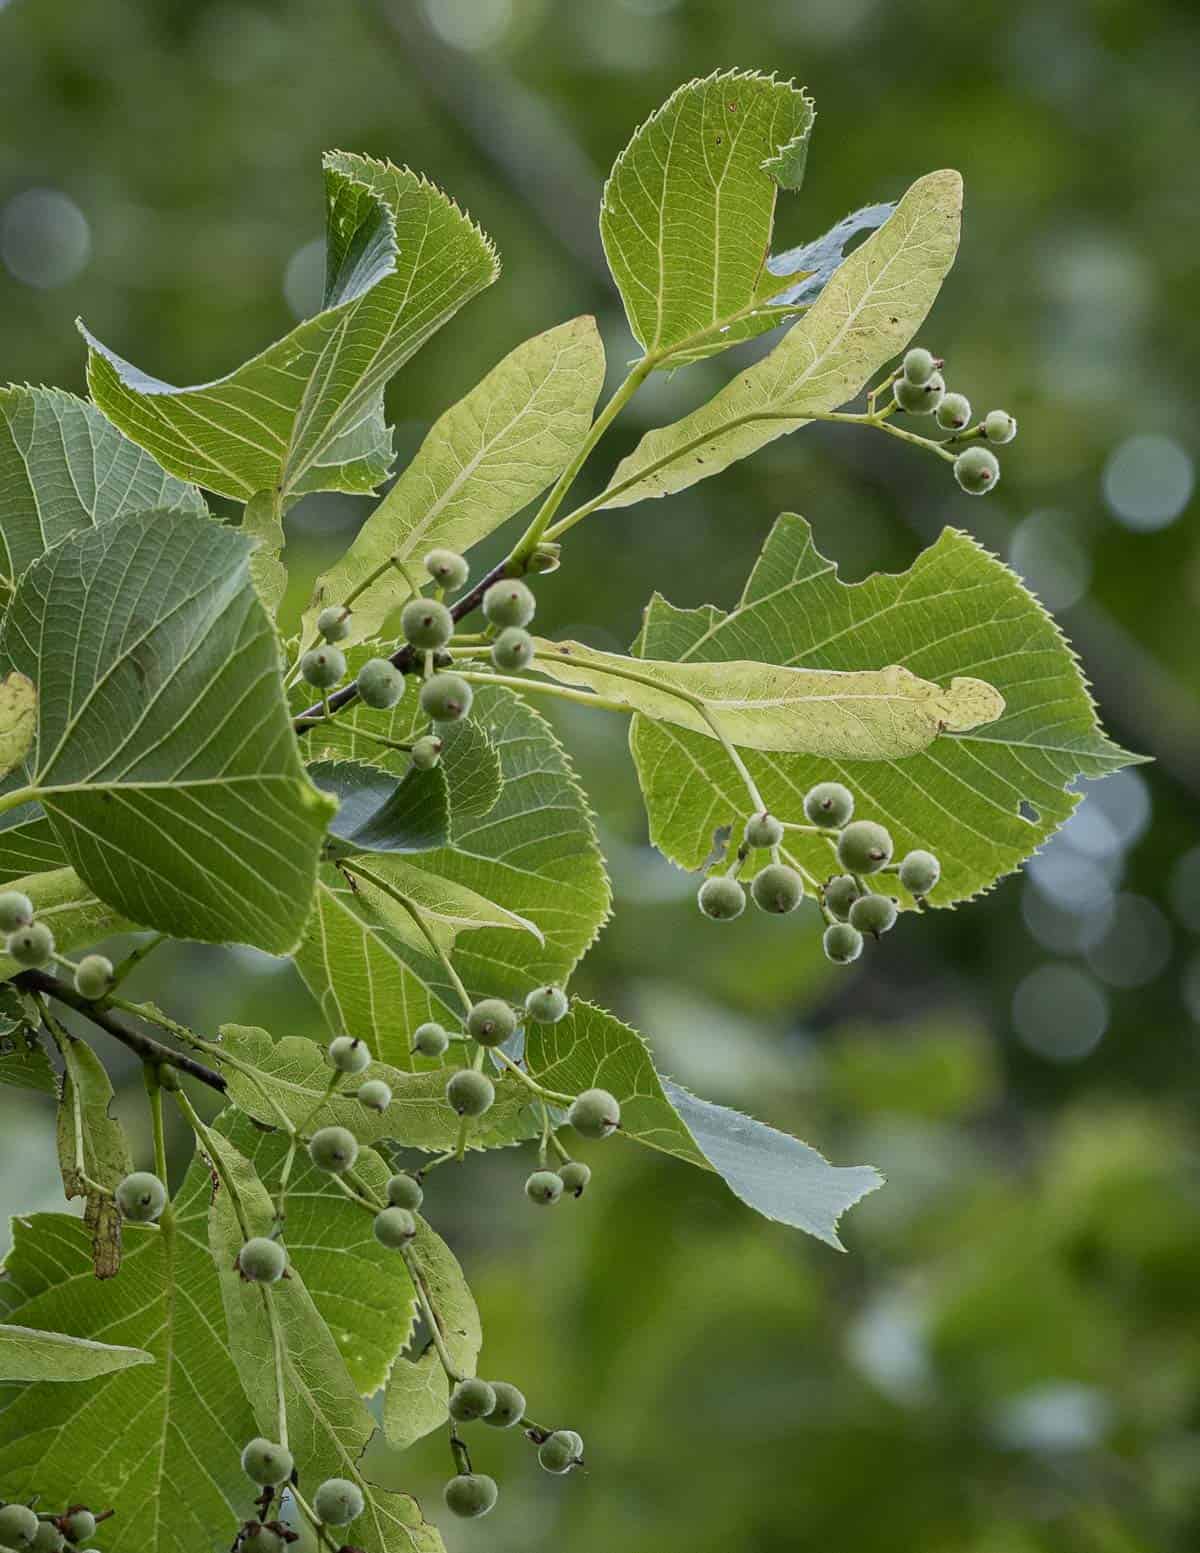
(561, 1451)
(829, 805)
(32, 946)
(141, 1197)
(842, 943)
(574, 1175)
(491, 1022)
(977, 470)
(405, 1191)
(338, 1501)
(544, 1188)
(426, 752)
(874, 914)
(334, 1149)
(348, 1054)
(509, 603)
(594, 1114)
(954, 412)
(864, 847)
(919, 872)
(471, 1399)
(721, 898)
(265, 1463)
(379, 683)
(261, 1540)
(16, 911)
(446, 697)
(763, 830)
(471, 1495)
(919, 398)
(79, 1526)
(840, 894)
(324, 667)
(334, 623)
(430, 1040)
(94, 976)
(426, 623)
(394, 1227)
(546, 1005)
(509, 1406)
(513, 649)
(919, 365)
(777, 889)
(49, 1539)
(470, 1093)
(374, 1094)
(999, 426)
(262, 1261)
(447, 568)
(18, 1525)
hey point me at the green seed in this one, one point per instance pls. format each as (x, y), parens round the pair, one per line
(374, 1094)
(446, 697)
(266, 1463)
(864, 847)
(509, 603)
(977, 470)
(594, 1114)
(348, 1054)
(840, 894)
(919, 398)
(919, 365)
(509, 1406)
(324, 667)
(954, 412)
(513, 649)
(919, 872)
(31, 946)
(829, 804)
(763, 830)
(544, 1187)
(546, 1005)
(999, 426)
(379, 683)
(430, 1040)
(842, 943)
(405, 1191)
(426, 752)
(94, 976)
(491, 1022)
(721, 898)
(141, 1197)
(394, 1227)
(777, 889)
(262, 1261)
(470, 1093)
(334, 623)
(334, 1149)
(18, 1525)
(338, 1501)
(574, 1176)
(561, 1451)
(447, 568)
(471, 1495)
(16, 911)
(874, 914)
(426, 623)
(471, 1399)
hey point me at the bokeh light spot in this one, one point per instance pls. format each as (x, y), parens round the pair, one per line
(1148, 481)
(1060, 1012)
(45, 240)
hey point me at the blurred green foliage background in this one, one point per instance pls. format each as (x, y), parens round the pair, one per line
(1008, 1360)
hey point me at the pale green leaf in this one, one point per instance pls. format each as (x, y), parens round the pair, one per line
(865, 315)
(263, 523)
(307, 414)
(68, 908)
(446, 907)
(328, 1425)
(293, 1076)
(485, 459)
(689, 208)
(26, 1355)
(361, 1290)
(535, 852)
(982, 801)
(93, 1151)
(816, 262)
(880, 714)
(28, 844)
(18, 718)
(165, 756)
(182, 1420)
(417, 1392)
(63, 466)
(773, 1173)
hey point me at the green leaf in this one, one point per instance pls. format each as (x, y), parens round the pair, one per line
(689, 208)
(63, 467)
(775, 1174)
(470, 763)
(328, 1425)
(361, 1290)
(983, 801)
(377, 813)
(93, 1151)
(485, 459)
(447, 908)
(27, 1355)
(28, 844)
(294, 1075)
(415, 1401)
(866, 714)
(18, 718)
(307, 414)
(535, 851)
(165, 756)
(23, 1060)
(68, 908)
(182, 1420)
(865, 315)
(262, 522)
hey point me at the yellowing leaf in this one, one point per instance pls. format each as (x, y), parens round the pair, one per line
(879, 714)
(18, 719)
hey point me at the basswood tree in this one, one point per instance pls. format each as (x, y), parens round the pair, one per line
(380, 799)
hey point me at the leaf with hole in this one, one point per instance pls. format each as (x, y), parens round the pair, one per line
(956, 612)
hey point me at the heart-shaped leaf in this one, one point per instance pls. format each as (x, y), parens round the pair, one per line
(377, 813)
